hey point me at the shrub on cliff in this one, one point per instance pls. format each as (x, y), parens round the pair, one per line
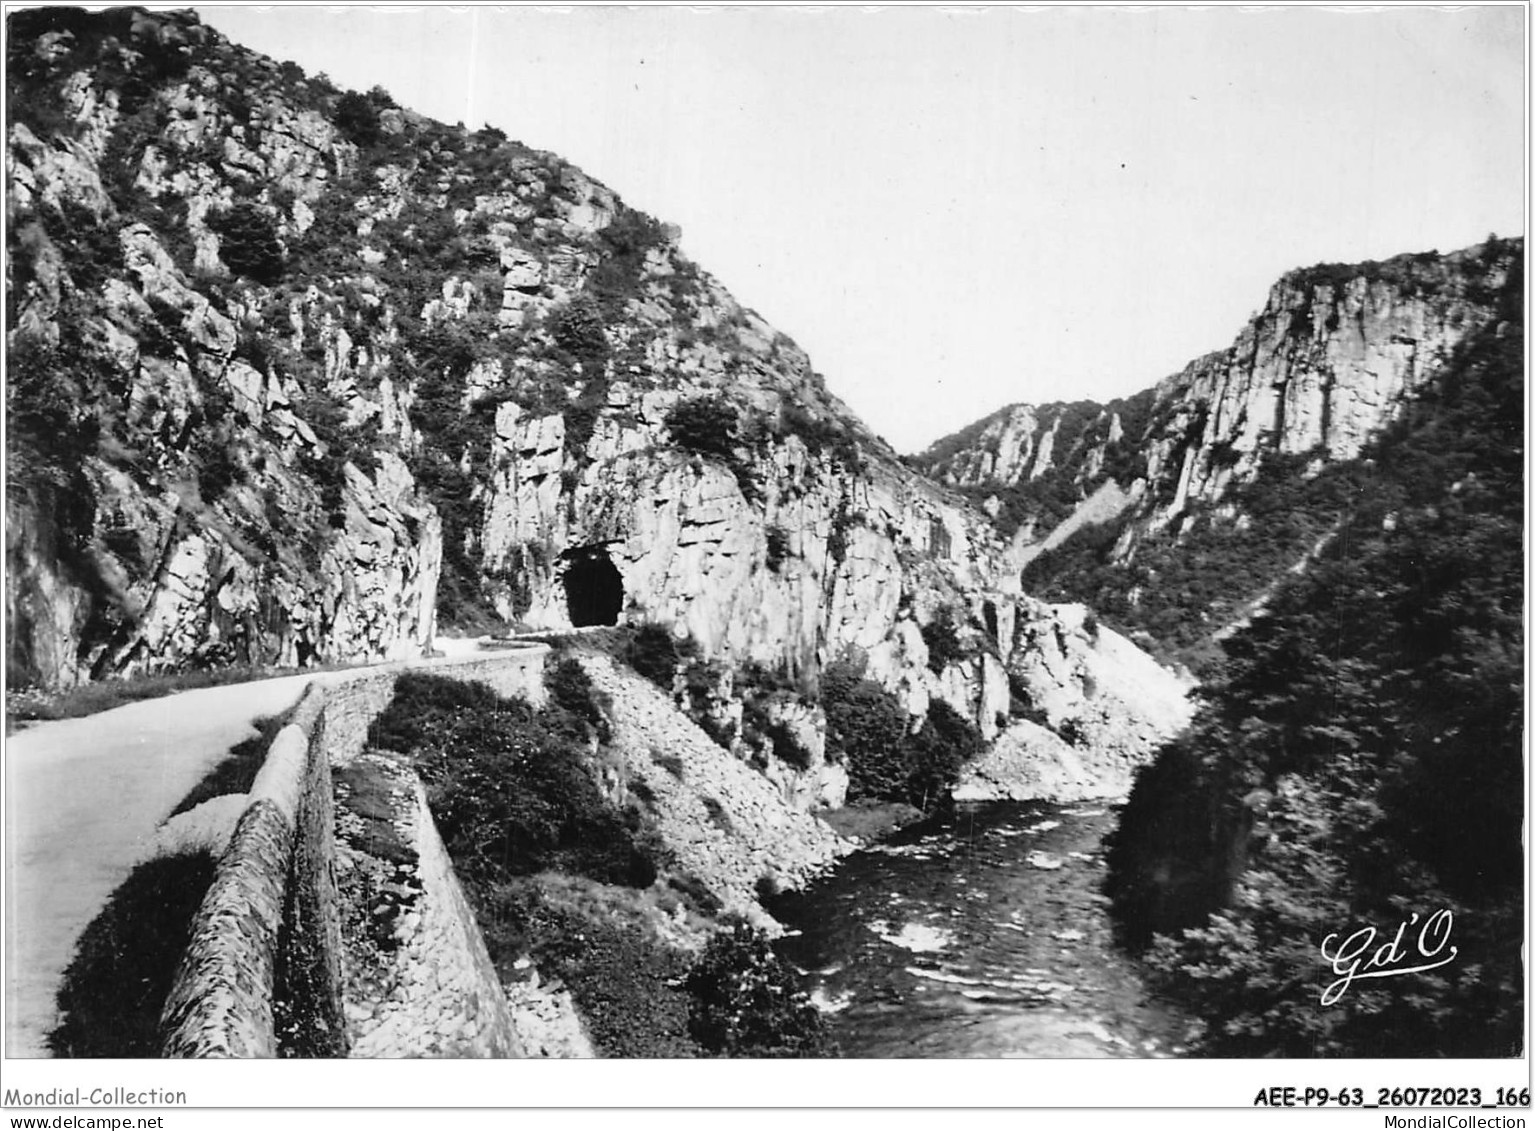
(886, 760)
(89, 244)
(357, 118)
(508, 785)
(248, 243)
(820, 434)
(942, 640)
(656, 653)
(778, 547)
(711, 427)
(866, 724)
(571, 688)
(578, 330)
(626, 241)
(706, 425)
(746, 1002)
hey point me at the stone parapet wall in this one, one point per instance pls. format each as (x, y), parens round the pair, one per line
(221, 1002)
(263, 974)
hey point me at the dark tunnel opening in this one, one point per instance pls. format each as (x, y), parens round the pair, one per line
(594, 589)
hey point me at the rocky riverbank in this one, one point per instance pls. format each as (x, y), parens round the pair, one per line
(727, 824)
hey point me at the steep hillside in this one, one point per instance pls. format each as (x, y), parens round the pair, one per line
(1173, 512)
(296, 317)
(1358, 763)
(180, 492)
(300, 375)
(1030, 467)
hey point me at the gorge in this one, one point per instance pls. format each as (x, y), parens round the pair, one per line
(299, 377)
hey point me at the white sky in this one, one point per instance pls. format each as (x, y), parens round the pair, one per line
(953, 210)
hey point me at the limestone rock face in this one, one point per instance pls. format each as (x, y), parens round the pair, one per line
(692, 550)
(1010, 448)
(184, 510)
(301, 373)
(1335, 356)
(1020, 443)
(1094, 706)
(49, 176)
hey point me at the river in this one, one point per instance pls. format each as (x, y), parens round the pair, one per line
(978, 933)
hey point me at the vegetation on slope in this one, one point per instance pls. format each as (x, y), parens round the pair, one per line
(1358, 761)
(557, 873)
(561, 360)
(77, 406)
(890, 757)
(888, 760)
(508, 784)
(1183, 586)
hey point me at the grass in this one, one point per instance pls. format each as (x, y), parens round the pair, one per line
(112, 992)
(608, 945)
(653, 909)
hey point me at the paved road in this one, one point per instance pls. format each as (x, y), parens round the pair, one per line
(82, 800)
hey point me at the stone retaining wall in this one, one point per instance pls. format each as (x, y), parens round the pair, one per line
(418, 979)
(263, 972)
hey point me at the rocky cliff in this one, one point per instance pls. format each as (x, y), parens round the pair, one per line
(300, 376)
(1337, 354)
(279, 336)
(1088, 707)
(177, 497)
(1374, 711)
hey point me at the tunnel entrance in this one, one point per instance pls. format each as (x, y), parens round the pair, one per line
(594, 589)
